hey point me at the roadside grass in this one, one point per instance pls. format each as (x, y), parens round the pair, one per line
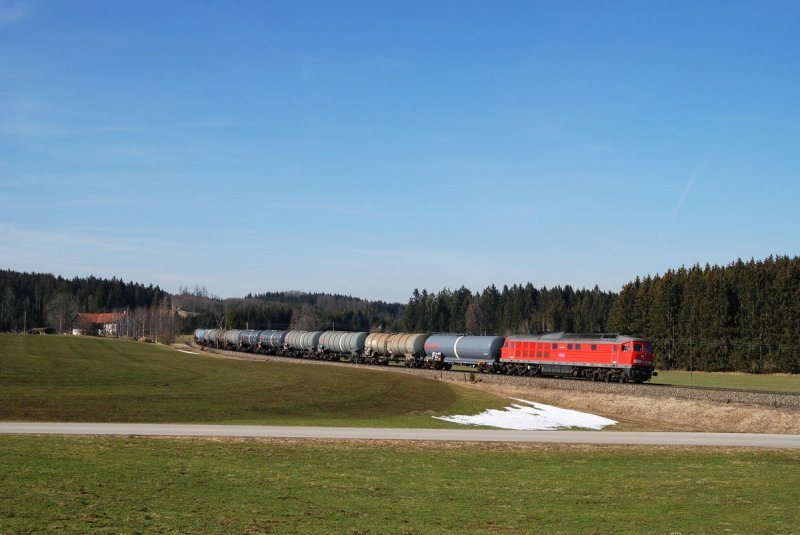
(748, 381)
(65, 378)
(105, 485)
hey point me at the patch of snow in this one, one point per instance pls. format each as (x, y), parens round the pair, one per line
(185, 351)
(533, 417)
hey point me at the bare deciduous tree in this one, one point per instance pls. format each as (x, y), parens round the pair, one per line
(60, 310)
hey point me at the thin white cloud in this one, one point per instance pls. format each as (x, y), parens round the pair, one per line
(34, 129)
(13, 10)
(698, 171)
(80, 252)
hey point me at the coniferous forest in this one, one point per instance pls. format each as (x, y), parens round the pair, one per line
(744, 316)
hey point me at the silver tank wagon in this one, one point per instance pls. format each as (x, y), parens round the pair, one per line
(342, 343)
(301, 342)
(444, 350)
(200, 335)
(271, 341)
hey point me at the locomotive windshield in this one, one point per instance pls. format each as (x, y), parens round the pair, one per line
(637, 348)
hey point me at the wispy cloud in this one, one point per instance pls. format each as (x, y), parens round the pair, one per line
(135, 253)
(12, 11)
(698, 171)
(45, 129)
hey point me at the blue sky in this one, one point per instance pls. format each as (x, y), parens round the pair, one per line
(370, 148)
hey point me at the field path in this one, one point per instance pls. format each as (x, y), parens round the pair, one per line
(450, 435)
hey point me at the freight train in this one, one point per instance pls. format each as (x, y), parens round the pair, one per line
(598, 357)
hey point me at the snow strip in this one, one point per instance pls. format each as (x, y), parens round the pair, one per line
(534, 417)
(185, 351)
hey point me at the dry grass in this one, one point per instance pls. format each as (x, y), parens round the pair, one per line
(444, 446)
(636, 413)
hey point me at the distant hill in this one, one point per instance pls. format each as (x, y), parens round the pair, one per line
(288, 310)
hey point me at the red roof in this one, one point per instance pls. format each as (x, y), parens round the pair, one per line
(106, 317)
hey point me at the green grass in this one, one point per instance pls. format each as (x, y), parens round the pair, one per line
(780, 383)
(112, 485)
(64, 378)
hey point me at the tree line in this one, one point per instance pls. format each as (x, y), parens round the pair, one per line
(40, 299)
(744, 316)
(287, 310)
(519, 309)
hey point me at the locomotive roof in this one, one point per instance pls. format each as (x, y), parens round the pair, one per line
(608, 338)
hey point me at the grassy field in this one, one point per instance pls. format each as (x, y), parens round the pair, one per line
(778, 383)
(64, 378)
(106, 485)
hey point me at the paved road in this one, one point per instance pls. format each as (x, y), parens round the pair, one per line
(452, 435)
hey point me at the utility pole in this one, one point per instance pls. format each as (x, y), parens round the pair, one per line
(25, 321)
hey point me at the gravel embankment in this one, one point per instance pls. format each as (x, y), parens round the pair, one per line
(773, 400)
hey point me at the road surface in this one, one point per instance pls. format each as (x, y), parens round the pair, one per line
(450, 435)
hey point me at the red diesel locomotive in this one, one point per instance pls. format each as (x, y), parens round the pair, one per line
(599, 357)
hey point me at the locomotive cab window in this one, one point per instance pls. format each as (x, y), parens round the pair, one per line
(637, 347)
(555, 346)
(594, 347)
(569, 346)
(626, 348)
(577, 347)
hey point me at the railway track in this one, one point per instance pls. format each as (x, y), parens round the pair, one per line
(771, 399)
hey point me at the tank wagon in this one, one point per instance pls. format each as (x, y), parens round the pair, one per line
(381, 348)
(444, 350)
(248, 340)
(271, 341)
(334, 345)
(598, 357)
(200, 336)
(210, 336)
(301, 343)
(232, 338)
